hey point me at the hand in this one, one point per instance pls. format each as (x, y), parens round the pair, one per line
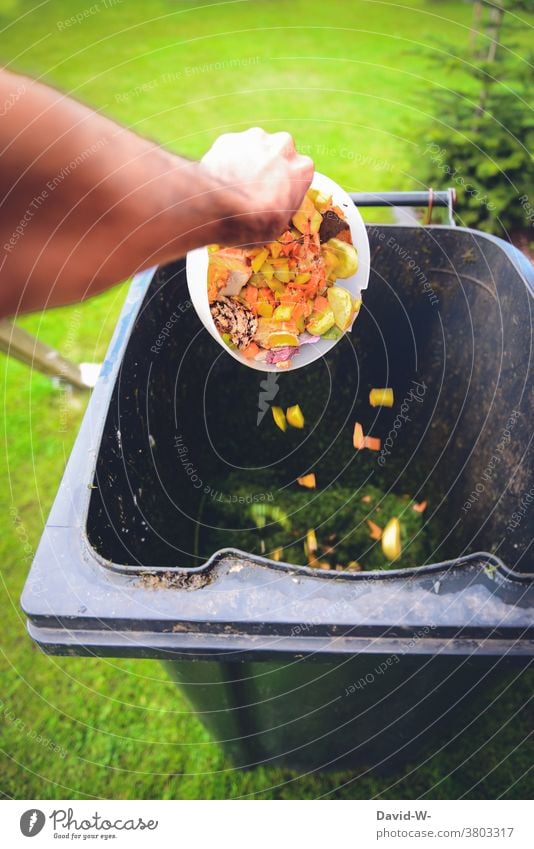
(265, 180)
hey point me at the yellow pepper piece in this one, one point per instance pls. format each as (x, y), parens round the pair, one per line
(391, 541)
(264, 309)
(258, 260)
(283, 312)
(279, 417)
(320, 201)
(311, 542)
(294, 416)
(282, 338)
(381, 397)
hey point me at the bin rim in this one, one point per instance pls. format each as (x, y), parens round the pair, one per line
(93, 577)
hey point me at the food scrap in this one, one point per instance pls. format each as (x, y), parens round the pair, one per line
(308, 481)
(360, 441)
(419, 508)
(358, 437)
(310, 544)
(279, 417)
(391, 539)
(306, 530)
(280, 296)
(381, 397)
(236, 321)
(375, 530)
(294, 416)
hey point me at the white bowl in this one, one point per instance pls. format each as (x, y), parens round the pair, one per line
(197, 281)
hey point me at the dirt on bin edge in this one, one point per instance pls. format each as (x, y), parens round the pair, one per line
(171, 580)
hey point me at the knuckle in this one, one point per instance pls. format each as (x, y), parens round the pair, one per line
(304, 162)
(223, 139)
(283, 141)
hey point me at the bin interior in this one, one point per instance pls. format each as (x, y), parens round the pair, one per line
(446, 311)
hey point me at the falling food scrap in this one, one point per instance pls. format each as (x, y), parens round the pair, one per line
(311, 541)
(375, 530)
(360, 441)
(307, 481)
(279, 417)
(381, 397)
(391, 541)
(357, 437)
(373, 443)
(419, 508)
(294, 416)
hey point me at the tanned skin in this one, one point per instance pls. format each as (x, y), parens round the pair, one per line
(85, 203)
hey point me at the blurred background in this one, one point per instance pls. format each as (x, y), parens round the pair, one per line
(383, 96)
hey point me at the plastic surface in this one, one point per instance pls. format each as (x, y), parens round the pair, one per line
(197, 276)
(280, 648)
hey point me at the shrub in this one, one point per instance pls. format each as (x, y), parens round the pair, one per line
(483, 134)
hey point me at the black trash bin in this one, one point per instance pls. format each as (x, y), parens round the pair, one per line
(285, 663)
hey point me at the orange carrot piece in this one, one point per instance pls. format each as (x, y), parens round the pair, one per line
(307, 481)
(289, 297)
(420, 508)
(358, 439)
(266, 294)
(251, 350)
(251, 297)
(321, 303)
(287, 236)
(372, 442)
(301, 310)
(375, 530)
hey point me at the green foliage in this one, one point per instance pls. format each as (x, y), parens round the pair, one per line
(260, 513)
(338, 515)
(483, 134)
(122, 727)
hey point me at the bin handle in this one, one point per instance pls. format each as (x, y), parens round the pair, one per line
(445, 198)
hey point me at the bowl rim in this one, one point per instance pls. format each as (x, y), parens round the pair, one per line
(197, 267)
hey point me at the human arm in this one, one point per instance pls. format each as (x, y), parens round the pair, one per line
(85, 202)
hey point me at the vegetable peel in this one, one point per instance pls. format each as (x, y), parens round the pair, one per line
(375, 531)
(391, 539)
(307, 481)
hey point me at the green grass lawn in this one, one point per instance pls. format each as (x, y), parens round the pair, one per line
(345, 79)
